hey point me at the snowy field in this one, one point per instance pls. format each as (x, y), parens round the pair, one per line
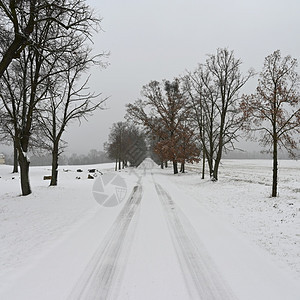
(243, 197)
(173, 237)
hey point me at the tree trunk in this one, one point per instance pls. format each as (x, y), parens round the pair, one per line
(182, 169)
(15, 168)
(166, 164)
(203, 165)
(161, 164)
(210, 152)
(210, 164)
(217, 162)
(216, 167)
(214, 176)
(54, 171)
(275, 168)
(220, 149)
(175, 168)
(116, 166)
(24, 170)
(119, 164)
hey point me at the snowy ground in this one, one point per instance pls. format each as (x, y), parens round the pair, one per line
(242, 197)
(173, 237)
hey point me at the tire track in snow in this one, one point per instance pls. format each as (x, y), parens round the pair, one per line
(200, 273)
(104, 271)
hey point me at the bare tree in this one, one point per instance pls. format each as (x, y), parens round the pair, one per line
(274, 110)
(68, 101)
(14, 85)
(203, 96)
(50, 38)
(214, 96)
(21, 105)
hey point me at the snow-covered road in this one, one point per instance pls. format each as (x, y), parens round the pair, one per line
(159, 244)
(202, 278)
(101, 274)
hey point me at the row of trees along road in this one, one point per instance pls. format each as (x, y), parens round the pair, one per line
(199, 111)
(204, 111)
(44, 52)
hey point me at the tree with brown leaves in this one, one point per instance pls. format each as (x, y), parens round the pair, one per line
(163, 112)
(274, 110)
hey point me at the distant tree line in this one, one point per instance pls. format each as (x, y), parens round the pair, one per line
(92, 157)
(250, 154)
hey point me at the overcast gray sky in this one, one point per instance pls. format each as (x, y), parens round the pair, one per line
(160, 39)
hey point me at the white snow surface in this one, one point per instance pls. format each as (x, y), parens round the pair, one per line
(173, 237)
